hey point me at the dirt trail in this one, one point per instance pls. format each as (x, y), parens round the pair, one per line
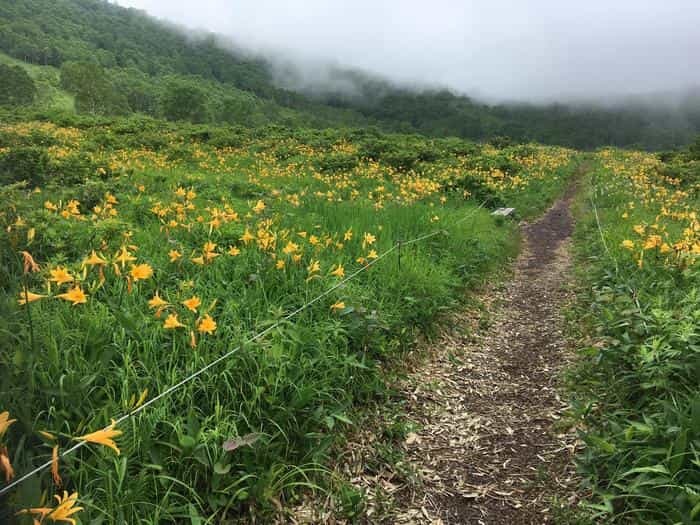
(487, 451)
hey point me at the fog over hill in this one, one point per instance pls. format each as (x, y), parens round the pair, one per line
(581, 77)
(503, 51)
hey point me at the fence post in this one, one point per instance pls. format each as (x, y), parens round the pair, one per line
(399, 245)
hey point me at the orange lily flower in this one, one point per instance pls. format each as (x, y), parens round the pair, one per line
(5, 422)
(5, 465)
(30, 264)
(54, 467)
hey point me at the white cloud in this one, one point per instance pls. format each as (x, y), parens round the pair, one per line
(500, 49)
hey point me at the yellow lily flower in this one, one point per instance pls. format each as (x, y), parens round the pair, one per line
(247, 237)
(207, 325)
(75, 295)
(157, 302)
(28, 297)
(60, 276)
(66, 508)
(94, 260)
(103, 437)
(314, 267)
(141, 272)
(339, 271)
(172, 322)
(124, 256)
(192, 303)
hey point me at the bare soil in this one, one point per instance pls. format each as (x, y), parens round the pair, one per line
(487, 450)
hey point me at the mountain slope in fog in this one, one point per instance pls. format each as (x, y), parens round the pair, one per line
(142, 58)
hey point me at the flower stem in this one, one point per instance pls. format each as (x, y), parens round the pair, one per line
(29, 315)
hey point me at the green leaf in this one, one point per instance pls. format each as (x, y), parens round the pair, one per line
(221, 469)
(343, 418)
(656, 469)
(195, 517)
(187, 442)
(678, 451)
(599, 442)
(695, 511)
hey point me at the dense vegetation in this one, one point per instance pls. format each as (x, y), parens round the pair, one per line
(17, 88)
(143, 66)
(161, 247)
(164, 199)
(638, 382)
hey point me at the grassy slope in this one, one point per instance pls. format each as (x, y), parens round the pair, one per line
(47, 80)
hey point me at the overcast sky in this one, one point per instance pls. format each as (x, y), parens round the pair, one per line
(496, 49)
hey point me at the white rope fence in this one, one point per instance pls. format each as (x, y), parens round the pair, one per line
(194, 375)
(632, 291)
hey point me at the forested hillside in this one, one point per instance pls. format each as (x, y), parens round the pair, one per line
(118, 61)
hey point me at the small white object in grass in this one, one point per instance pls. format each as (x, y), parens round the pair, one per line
(503, 211)
(248, 439)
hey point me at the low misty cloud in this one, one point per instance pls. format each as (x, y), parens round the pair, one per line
(534, 50)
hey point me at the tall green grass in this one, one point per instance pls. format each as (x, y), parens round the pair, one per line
(636, 386)
(297, 388)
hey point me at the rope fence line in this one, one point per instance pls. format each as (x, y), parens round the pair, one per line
(632, 291)
(223, 357)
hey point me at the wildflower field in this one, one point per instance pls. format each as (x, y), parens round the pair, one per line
(637, 386)
(136, 252)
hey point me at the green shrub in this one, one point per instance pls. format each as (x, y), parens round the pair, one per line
(336, 162)
(17, 87)
(24, 163)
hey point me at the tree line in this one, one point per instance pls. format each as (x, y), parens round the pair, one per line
(118, 61)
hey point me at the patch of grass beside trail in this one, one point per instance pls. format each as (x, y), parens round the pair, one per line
(47, 80)
(162, 247)
(636, 387)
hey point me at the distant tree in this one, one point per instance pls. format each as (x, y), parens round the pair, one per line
(238, 110)
(16, 87)
(94, 93)
(184, 100)
(694, 149)
(140, 90)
